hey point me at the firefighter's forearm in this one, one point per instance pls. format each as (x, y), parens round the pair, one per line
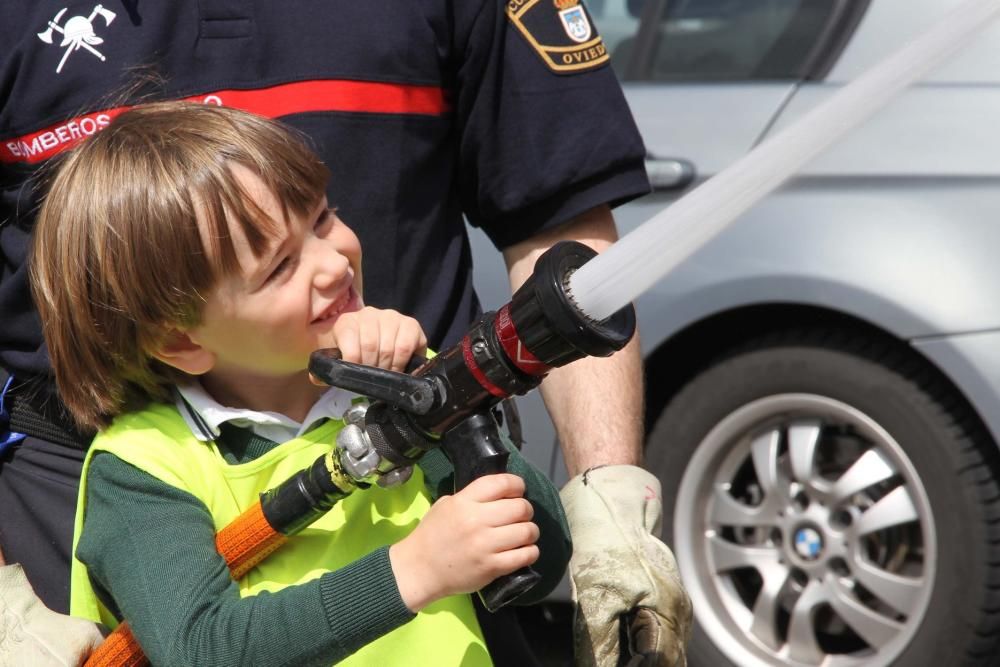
(595, 403)
(596, 406)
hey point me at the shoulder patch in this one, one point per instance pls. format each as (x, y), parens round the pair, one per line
(560, 32)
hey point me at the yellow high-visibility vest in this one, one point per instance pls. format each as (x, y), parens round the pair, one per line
(158, 441)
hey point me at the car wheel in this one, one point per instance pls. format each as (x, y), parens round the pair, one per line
(831, 501)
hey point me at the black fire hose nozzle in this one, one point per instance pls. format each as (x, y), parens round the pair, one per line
(508, 352)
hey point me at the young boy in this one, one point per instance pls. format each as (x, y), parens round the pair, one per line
(185, 265)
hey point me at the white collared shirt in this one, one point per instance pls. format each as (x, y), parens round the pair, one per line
(203, 414)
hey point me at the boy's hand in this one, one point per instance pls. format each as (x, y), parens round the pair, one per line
(465, 541)
(379, 337)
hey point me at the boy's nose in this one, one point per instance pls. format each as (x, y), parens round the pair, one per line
(330, 269)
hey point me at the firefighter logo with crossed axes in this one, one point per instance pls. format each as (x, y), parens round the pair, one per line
(78, 32)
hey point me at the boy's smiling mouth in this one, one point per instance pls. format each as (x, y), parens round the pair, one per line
(343, 302)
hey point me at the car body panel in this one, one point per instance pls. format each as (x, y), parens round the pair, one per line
(931, 130)
(683, 130)
(889, 24)
(891, 254)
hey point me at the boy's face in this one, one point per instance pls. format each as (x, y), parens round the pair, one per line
(268, 320)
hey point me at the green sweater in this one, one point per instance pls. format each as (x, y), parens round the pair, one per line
(150, 551)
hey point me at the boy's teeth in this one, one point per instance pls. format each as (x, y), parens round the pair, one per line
(337, 308)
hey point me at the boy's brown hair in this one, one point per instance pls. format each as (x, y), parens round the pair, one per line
(118, 259)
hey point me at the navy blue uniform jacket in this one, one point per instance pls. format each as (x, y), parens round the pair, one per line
(424, 110)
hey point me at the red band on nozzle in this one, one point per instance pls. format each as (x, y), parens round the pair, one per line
(517, 353)
(477, 372)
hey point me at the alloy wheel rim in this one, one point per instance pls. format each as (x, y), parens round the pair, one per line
(804, 536)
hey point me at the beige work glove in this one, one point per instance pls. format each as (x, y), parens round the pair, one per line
(621, 572)
(32, 634)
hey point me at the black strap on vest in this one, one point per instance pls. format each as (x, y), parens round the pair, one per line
(43, 418)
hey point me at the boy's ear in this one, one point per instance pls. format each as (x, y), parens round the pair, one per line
(181, 352)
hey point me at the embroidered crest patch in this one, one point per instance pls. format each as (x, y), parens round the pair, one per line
(576, 23)
(560, 32)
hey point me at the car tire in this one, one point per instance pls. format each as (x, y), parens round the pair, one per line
(788, 560)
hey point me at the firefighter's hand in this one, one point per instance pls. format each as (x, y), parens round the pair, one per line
(465, 541)
(622, 573)
(32, 634)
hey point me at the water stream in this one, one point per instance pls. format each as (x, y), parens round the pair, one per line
(631, 266)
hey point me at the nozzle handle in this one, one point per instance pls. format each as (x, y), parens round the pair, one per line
(475, 448)
(413, 394)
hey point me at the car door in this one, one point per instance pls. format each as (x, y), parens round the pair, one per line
(705, 79)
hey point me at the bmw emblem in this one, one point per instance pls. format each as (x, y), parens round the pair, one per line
(808, 543)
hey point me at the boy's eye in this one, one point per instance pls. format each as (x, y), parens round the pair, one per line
(324, 219)
(278, 270)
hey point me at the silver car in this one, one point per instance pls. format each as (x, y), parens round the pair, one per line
(823, 379)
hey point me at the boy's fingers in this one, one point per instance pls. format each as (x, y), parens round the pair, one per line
(507, 561)
(507, 511)
(389, 350)
(419, 344)
(347, 342)
(369, 340)
(405, 351)
(494, 487)
(409, 338)
(514, 536)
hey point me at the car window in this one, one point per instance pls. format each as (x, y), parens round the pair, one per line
(712, 40)
(615, 21)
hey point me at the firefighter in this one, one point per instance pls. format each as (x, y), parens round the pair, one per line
(506, 113)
